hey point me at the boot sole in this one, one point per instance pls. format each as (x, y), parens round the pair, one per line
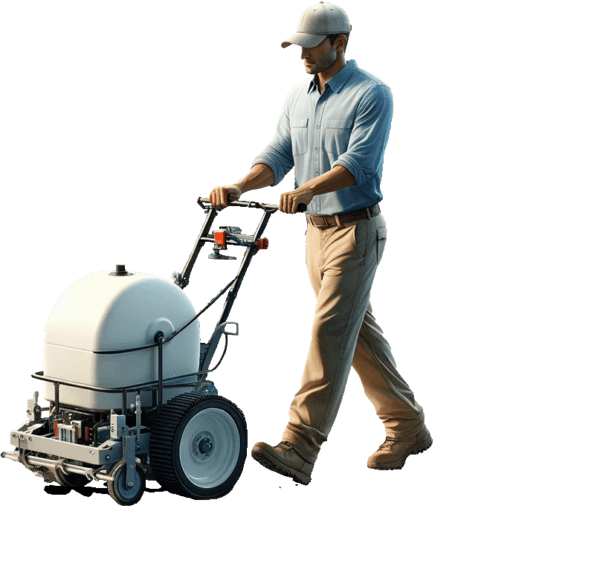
(397, 465)
(267, 461)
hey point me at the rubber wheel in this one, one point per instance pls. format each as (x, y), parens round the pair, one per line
(118, 490)
(70, 480)
(198, 446)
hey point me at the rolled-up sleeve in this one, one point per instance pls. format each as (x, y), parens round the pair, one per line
(369, 136)
(278, 153)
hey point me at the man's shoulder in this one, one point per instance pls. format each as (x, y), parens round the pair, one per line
(367, 80)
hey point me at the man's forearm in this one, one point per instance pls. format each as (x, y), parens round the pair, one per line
(336, 179)
(260, 176)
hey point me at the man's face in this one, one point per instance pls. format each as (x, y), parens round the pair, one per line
(319, 58)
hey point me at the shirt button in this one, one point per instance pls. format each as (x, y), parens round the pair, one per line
(318, 126)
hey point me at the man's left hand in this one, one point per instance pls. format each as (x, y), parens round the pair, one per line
(288, 203)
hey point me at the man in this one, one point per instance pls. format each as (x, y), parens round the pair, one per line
(334, 129)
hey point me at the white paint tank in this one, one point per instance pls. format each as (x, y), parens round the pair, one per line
(110, 311)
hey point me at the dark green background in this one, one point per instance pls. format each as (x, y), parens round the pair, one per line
(117, 115)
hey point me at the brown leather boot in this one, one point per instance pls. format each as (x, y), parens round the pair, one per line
(283, 459)
(392, 454)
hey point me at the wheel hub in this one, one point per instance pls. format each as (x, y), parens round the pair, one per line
(205, 446)
(128, 490)
(202, 446)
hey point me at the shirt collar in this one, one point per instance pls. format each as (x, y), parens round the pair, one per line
(338, 81)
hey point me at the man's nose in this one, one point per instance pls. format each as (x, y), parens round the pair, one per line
(305, 53)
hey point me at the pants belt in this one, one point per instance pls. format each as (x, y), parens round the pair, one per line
(341, 219)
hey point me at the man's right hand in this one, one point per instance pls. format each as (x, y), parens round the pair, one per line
(221, 196)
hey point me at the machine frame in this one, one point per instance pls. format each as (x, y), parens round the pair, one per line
(116, 446)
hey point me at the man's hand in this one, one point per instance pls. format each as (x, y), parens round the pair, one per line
(288, 203)
(221, 196)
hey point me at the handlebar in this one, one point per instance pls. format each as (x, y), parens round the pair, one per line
(243, 204)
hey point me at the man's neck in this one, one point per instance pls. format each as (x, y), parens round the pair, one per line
(327, 74)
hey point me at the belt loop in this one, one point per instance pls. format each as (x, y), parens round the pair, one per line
(369, 213)
(337, 221)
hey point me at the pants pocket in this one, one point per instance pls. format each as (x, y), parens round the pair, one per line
(360, 234)
(381, 240)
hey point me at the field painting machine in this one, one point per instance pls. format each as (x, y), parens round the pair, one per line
(125, 375)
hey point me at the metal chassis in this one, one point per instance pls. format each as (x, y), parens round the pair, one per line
(126, 443)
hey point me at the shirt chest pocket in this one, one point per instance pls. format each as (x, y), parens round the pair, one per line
(299, 129)
(337, 135)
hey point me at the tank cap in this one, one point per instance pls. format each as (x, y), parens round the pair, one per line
(120, 270)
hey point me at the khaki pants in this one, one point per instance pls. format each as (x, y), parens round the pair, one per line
(341, 262)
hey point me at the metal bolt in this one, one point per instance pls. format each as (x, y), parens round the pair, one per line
(107, 458)
(130, 484)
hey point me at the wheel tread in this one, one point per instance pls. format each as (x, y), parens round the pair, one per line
(162, 437)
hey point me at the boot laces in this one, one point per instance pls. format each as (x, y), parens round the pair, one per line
(389, 441)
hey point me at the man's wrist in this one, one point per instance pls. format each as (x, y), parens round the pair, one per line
(302, 191)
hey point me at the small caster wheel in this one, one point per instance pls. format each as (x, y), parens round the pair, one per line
(118, 489)
(70, 480)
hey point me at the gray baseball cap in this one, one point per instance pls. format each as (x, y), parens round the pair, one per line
(317, 22)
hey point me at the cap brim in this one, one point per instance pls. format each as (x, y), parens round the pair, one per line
(304, 40)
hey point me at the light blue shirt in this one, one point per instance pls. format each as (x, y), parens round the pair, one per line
(348, 124)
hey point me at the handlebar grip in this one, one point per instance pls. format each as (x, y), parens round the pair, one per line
(300, 208)
(243, 204)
